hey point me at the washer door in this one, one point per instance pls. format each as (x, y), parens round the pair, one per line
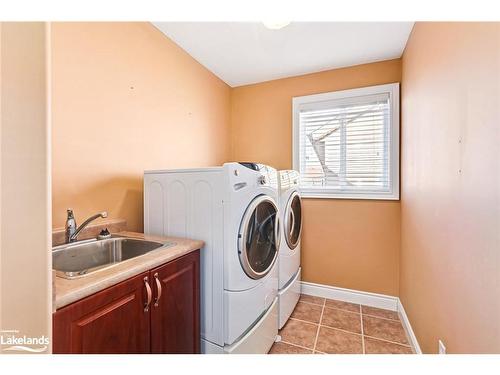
(293, 221)
(259, 237)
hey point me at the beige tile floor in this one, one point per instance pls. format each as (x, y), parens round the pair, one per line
(324, 326)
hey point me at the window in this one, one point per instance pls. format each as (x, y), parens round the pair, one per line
(346, 143)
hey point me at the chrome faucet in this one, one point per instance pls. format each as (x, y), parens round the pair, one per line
(72, 231)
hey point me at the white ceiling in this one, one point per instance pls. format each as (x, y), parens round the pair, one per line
(242, 53)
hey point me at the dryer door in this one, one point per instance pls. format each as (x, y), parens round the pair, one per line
(293, 221)
(258, 238)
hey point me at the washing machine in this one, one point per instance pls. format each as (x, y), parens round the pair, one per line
(234, 210)
(289, 273)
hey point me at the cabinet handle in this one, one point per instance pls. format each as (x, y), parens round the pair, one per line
(150, 294)
(158, 286)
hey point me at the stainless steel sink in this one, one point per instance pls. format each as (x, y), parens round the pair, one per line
(82, 258)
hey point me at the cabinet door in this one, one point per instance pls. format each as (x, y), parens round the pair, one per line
(112, 321)
(175, 318)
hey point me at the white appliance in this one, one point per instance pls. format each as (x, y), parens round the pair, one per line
(289, 254)
(234, 209)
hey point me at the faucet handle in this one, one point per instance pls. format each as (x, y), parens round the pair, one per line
(70, 226)
(104, 234)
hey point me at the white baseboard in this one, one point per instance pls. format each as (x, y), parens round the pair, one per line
(408, 329)
(382, 301)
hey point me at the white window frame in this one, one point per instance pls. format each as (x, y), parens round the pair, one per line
(393, 90)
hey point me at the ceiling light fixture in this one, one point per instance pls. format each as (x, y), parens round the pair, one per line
(276, 25)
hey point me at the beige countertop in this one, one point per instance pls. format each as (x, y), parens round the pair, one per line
(68, 291)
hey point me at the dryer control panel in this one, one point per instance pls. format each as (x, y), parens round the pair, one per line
(289, 179)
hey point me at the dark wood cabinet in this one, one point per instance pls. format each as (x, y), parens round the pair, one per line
(119, 320)
(176, 316)
(110, 321)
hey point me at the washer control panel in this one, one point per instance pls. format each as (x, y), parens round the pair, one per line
(247, 174)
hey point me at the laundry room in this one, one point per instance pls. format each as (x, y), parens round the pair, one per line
(233, 187)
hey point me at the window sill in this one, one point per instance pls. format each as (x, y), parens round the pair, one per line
(347, 196)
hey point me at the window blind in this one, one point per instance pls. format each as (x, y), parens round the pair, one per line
(345, 144)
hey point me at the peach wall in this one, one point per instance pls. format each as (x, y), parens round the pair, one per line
(126, 99)
(346, 243)
(1, 299)
(450, 203)
(25, 261)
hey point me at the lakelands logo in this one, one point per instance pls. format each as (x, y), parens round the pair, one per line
(10, 340)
